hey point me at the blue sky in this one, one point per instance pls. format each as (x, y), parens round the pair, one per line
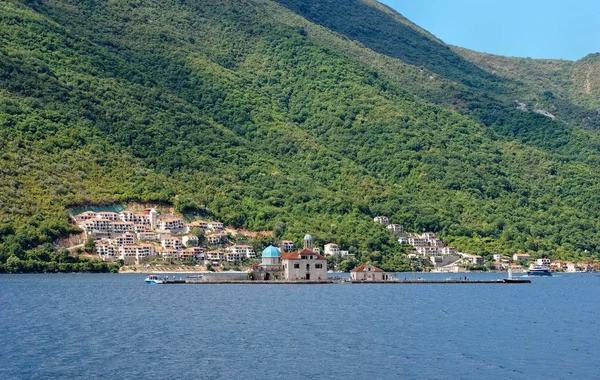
(565, 29)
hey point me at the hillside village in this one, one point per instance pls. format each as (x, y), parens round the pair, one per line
(444, 258)
(135, 238)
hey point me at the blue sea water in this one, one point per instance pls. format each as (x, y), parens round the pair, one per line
(115, 326)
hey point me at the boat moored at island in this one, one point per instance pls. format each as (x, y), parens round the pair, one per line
(540, 268)
(153, 280)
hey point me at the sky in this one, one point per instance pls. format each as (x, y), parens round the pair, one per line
(561, 29)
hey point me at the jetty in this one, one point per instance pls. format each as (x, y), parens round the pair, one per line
(207, 280)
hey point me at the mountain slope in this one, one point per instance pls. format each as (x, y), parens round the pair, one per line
(247, 112)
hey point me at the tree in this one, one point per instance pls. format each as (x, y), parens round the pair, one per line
(89, 245)
(14, 264)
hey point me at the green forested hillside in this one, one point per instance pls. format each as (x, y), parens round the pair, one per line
(261, 116)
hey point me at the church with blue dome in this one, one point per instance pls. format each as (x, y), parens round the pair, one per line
(302, 265)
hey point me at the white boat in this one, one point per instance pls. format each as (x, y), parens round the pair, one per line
(153, 280)
(540, 268)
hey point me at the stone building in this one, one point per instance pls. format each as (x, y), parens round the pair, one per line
(304, 264)
(368, 273)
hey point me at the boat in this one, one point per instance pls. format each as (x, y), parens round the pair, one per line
(153, 280)
(540, 268)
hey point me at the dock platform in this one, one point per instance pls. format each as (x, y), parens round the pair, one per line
(301, 282)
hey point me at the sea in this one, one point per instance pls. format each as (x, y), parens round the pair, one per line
(114, 326)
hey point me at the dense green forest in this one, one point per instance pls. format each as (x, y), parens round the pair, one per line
(283, 115)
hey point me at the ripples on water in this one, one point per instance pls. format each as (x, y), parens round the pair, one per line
(116, 326)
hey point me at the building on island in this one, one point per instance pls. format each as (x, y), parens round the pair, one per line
(368, 273)
(302, 265)
(270, 267)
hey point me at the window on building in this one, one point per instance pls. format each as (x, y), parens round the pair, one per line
(307, 266)
(296, 266)
(318, 266)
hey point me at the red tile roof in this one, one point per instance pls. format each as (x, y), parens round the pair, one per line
(296, 255)
(363, 268)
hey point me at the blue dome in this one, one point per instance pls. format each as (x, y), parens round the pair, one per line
(307, 237)
(271, 251)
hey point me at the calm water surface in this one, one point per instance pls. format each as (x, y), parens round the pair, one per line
(116, 326)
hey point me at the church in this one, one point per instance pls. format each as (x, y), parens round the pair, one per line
(302, 265)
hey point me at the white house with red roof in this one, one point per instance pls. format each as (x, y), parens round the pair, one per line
(368, 273)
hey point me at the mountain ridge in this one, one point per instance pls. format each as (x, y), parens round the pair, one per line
(269, 121)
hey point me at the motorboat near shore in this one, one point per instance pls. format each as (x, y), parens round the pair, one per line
(540, 268)
(153, 280)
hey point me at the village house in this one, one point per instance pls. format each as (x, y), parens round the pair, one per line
(136, 218)
(106, 251)
(368, 273)
(170, 253)
(203, 225)
(79, 219)
(475, 259)
(216, 226)
(403, 240)
(395, 228)
(447, 251)
(243, 250)
(521, 257)
(108, 215)
(125, 239)
(118, 227)
(427, 251)
(418, 242)
(382, 220)
(543, 261)
(287, 245)
(97, 227)
(171, 224)
(332, 249)
(558, 265)
(233, 256)
(215, 257)
(171, 243)
(214, 239)
(317, 250)
(193, 252)
(572, 268)
(346, 254)
(136, 254)
(140, 228)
